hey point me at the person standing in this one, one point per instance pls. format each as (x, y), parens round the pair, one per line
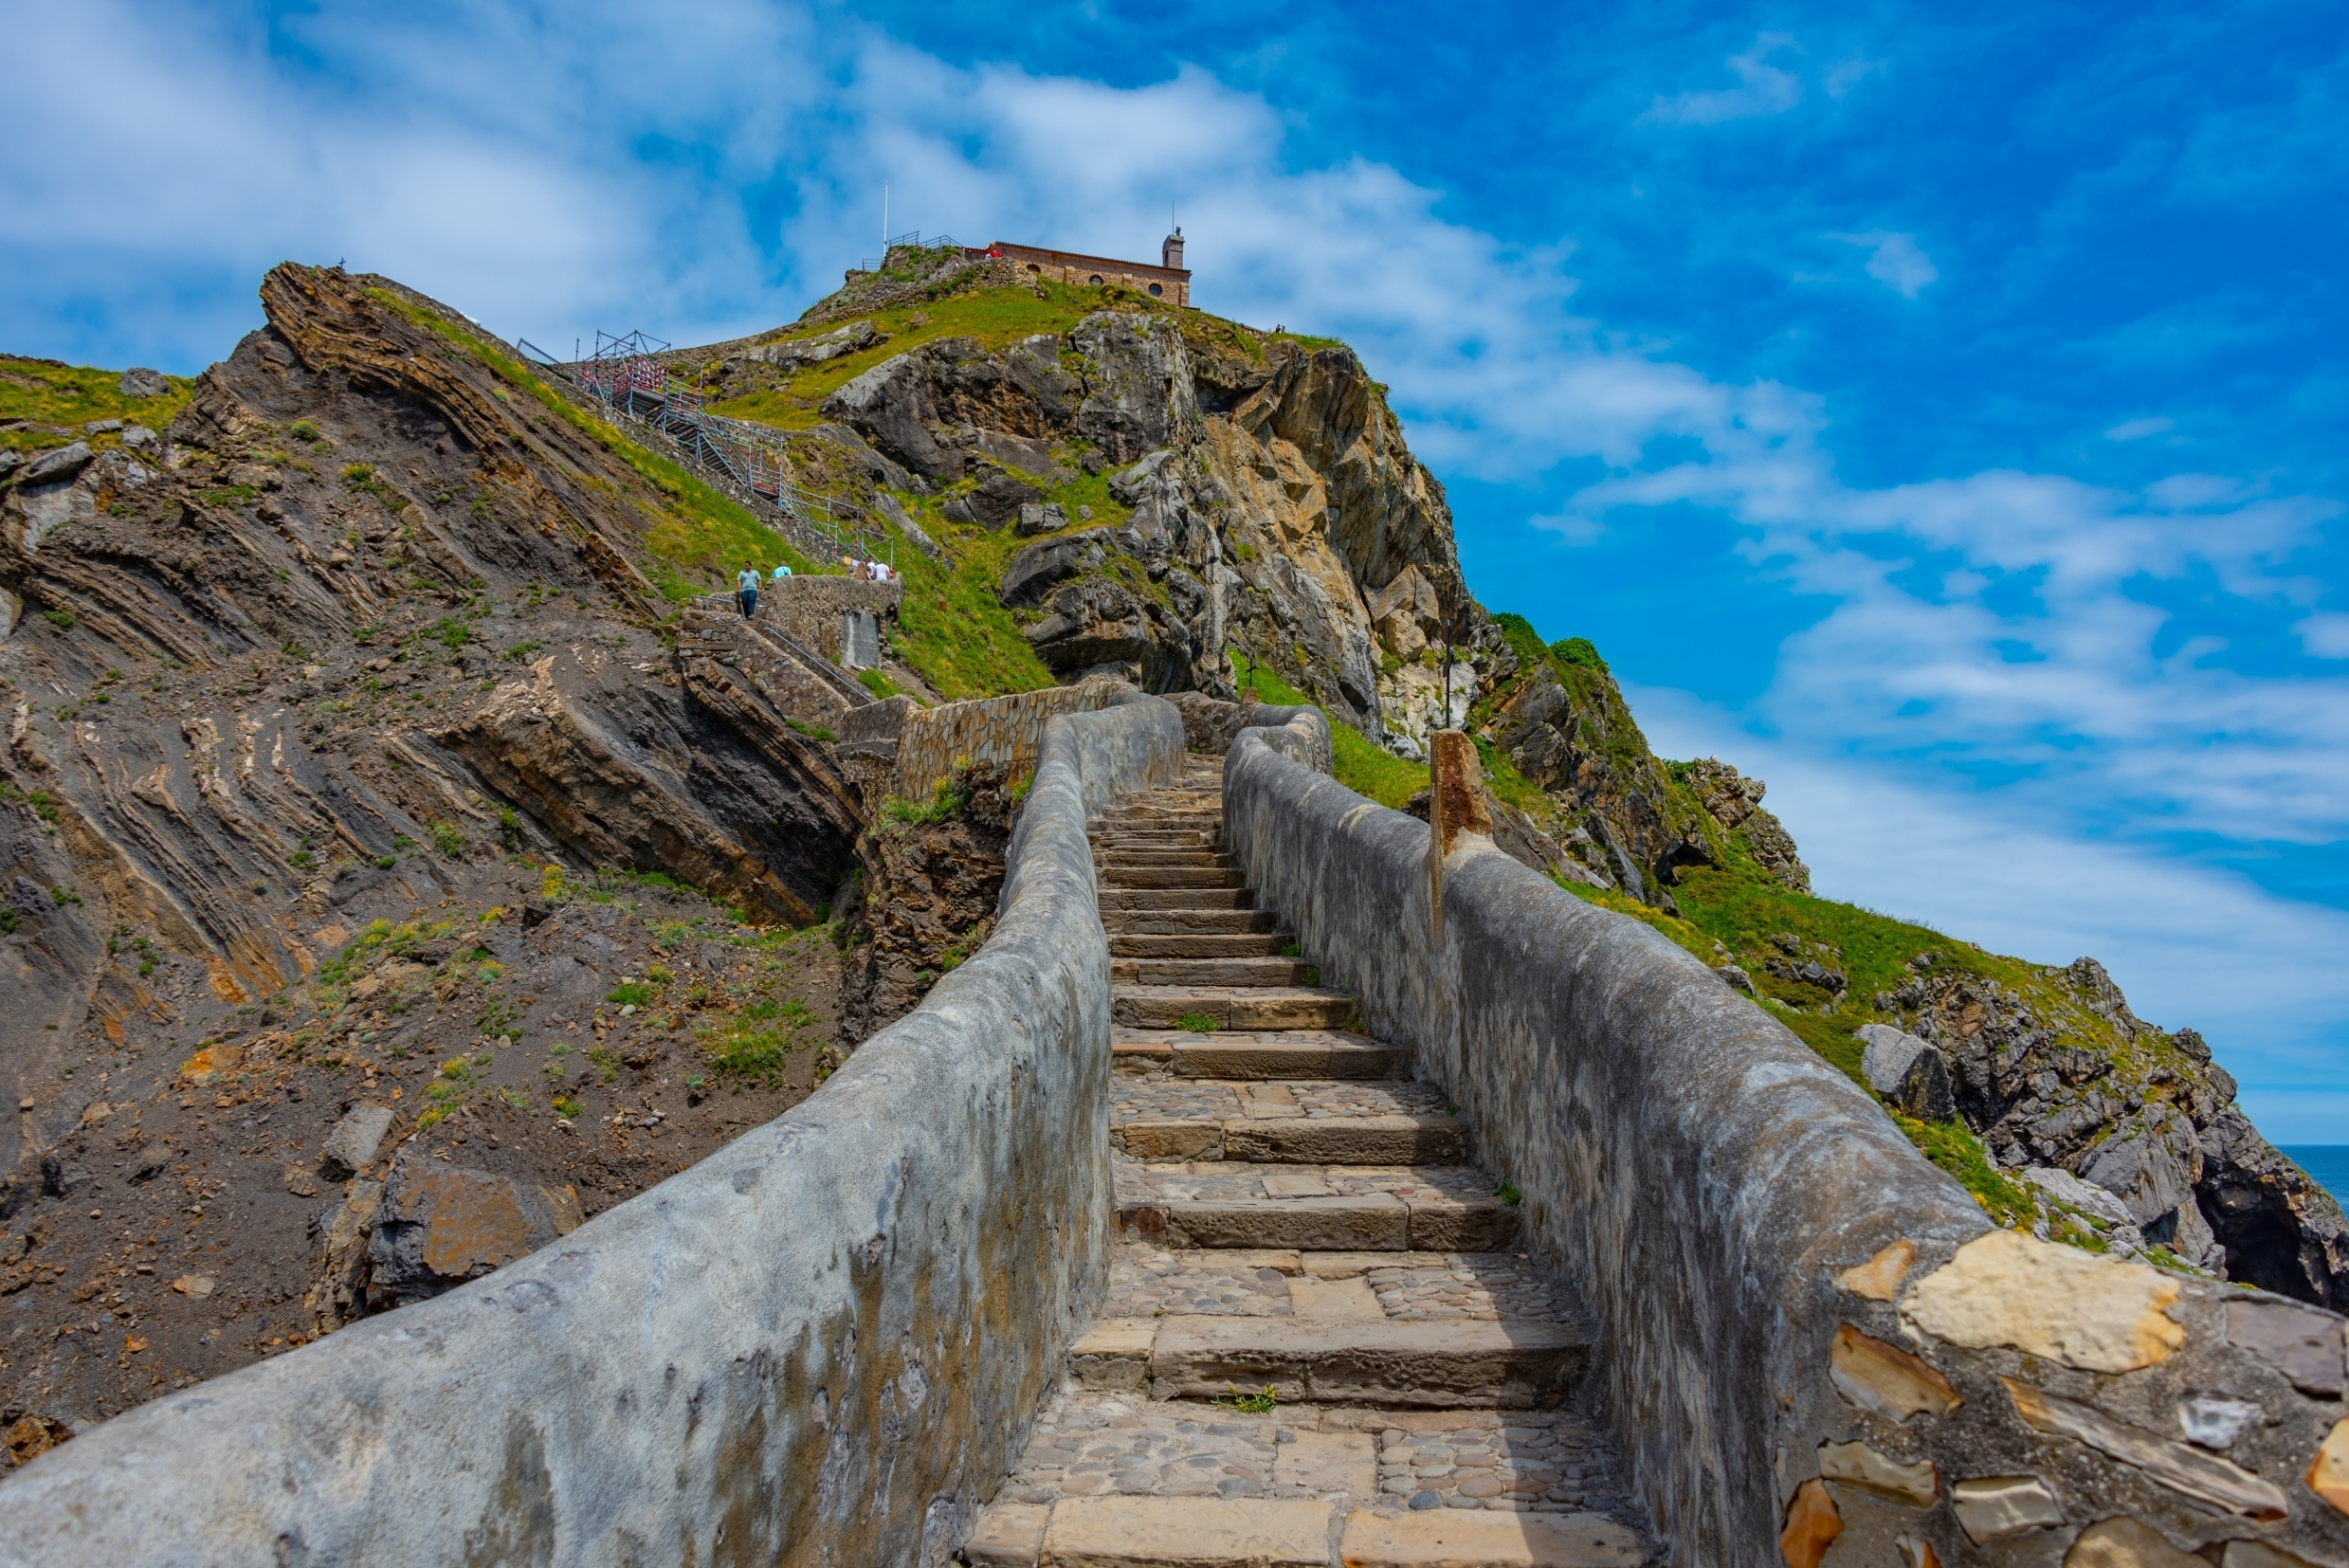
(746, 588)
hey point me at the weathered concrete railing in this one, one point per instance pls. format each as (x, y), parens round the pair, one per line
(1812, 1340)
(823, 1342)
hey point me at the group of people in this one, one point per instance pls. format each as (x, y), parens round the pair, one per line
(748, 581)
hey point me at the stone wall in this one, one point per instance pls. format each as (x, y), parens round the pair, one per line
(1813, 1345)
(1000, 732)
(823, 1343)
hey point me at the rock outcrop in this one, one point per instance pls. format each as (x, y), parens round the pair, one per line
(2151, 1120)
(359, 657)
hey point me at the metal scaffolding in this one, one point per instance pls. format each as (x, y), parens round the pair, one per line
(627, 375)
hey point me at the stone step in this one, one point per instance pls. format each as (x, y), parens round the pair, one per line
(1163, 900)
(1460, 1486)
(1354, 1140)
(1430, 1364)
(1209, 1532)
(1258, 1057)
(1273, 971)
(1170, 876)
(1368, 1223)
(1312, 1121)
(1148, 1283)
(1201, 944)
(1189, 923)
(1138, 1006)
(1116, 858)
(1120, 840)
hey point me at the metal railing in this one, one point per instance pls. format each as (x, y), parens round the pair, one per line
(913, 241)
(747, 460)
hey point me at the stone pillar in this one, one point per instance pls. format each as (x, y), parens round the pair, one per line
(1457, 815)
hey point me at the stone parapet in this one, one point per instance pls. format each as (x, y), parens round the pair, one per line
(1813, 1345)
(825, 1343)
(1003, 732)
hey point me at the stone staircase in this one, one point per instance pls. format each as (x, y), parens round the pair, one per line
(800, 683)
(1318, 1346)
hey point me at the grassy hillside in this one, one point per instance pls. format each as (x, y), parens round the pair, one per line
(41, 399)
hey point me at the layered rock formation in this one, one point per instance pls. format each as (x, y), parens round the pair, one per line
(2148, 1119)
(320, 703)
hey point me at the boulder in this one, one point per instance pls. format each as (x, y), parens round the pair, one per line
(998, 500)
(1049, 517)
(2083, 1195)
(816, 350)
(1129, 485)
(1910, 1073)
(63, 463)
(355, 1138)
(138, 381)
(439, 1226)
(140, 439)
(61, 1178)
(1037, 570)
(2138, 1168)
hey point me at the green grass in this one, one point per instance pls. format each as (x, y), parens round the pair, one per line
(697, 536)
(878, 683)
(1196, 1023)
(1362, 767)
(1741, 906)
(952, 630)
(996, 317)
(946, 799)
(1247, 1404)
(46, 393)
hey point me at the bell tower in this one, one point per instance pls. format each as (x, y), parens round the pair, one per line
(1171, 251)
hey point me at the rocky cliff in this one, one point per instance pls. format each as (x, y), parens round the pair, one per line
(346, 765)
(357, 758)
(1193, 505)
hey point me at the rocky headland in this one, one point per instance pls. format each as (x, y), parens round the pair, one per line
(377, 848)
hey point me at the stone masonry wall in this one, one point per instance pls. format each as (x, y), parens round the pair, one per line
(1814, 1347)
(821, 1345)
(999, 732)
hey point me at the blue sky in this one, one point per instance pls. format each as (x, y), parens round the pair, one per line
(1939, 416)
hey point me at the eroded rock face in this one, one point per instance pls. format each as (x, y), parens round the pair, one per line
(927, 901)
(439, 1226)
(356, 632)
(2158, 1131)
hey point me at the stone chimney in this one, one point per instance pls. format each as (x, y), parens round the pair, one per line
(1170, 253)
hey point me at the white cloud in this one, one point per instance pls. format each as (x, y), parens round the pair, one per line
(1847, 74)
(2138, 429)
(2325, 636)
(1894, 261)
(1569, 527)
(2257, 973)
(1762, 89)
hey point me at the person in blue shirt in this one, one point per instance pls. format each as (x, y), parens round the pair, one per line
(781, 572)
(746, 588)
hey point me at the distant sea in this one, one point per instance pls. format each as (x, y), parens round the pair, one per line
(2327, 1165)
